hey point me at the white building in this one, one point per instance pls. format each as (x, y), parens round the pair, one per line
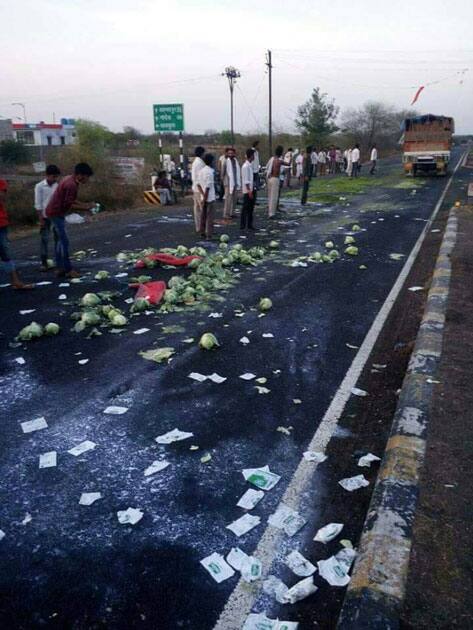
(46, 134)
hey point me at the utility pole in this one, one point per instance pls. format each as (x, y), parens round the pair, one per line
(232, 75)
(23, 106)
(270, 104)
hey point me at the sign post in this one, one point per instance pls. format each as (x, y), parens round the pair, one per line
(169, 118)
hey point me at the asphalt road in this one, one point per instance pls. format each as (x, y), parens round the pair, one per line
(75, 566)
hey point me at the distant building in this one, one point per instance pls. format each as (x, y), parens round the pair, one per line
(6, 130)
(46, 134)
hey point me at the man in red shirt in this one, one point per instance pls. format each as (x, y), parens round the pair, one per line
(64, 200)
(8, 263)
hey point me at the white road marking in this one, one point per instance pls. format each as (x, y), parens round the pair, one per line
(242, 599)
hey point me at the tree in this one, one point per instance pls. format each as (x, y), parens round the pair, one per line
(93, 136)
(13, 152)
(315, 118)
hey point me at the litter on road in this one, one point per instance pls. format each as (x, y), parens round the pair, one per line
(48, 460)
(83, 447)
(245, 341)
(358, 392)
(157, 466)
(244, 524)
(83, 361)
(315, 456)
(299, 565)
(416, 289)
(354, 483)
(335, 569)
(20, 361)
(367, 459)
(248, 376)
(236, 557)
(262, 390)
(158, 355)
(34, 425)
(114, 410)
(287, 519)
(141, 331)
(301, 590)
(195, 376)
(251, 569)
(250, 499)
(328, 533)
(87, 498)
(218, 568)
(259, 621)
(173, 436)
(130, 516)
(216, 378)
(262, 478)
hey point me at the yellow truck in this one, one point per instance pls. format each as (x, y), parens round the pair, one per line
(427, 142)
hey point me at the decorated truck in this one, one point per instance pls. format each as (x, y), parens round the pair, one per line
(427, 141)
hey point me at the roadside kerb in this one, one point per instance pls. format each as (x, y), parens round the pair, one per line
(375, 594)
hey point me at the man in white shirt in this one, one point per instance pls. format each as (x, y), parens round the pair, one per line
(206, 189)
(232, 181)
(43, 192)
(247, 185)
(288, 169)
(355, 161)
(299, 165)
(197, 165)
(374, 159)
(322, 160)
(256, 164)
(313, 160)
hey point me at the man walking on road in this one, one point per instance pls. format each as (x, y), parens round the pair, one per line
(206, 187)
(355, 161)
(232, 181)
(247, 184)
(374, 159)
(43, 191)
(63, 200)
(197, 165)
(306, 174)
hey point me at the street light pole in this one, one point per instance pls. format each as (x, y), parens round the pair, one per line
(23, 106)
(232, 75)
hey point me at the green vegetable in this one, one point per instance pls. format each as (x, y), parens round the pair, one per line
(329, 245)
(349, 240)
(51, 329)
(223, 246)
(265, 304)
(224, 238)
(113, 313)
(90, 318)
(79, 326)
(333, 254)
(355, 228)
(32, 331)
(158, 354)
(90, 299)
(121, 257)
(102, 275)
(274, 244)
(352, 250)
(119, 320)
(193, 264)
(140, 305)
(208, 341)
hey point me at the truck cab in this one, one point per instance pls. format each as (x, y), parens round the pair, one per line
(427, 142)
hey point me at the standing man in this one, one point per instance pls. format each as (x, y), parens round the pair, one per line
(256, 166)
(355, 159)
(322, 159)
(248, 185)
(206, 187)
(273, 172)
(349, 162)
(374, 159)
(221, 167)
(314, 160)
(288, 169)
(63, 200)
(7, 262)
(306, 174)
(43, 192)
(232, 182)
(197, 165)
(299, 166)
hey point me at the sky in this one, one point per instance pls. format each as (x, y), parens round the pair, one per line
(110, 60)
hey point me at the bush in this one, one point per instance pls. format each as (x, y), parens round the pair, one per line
(13, 152)
(20, 204)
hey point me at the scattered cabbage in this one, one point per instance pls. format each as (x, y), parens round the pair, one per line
(208, 341)
(223, 246)
(181, 250)
(119, 320)
(355, 228)
(265, 304)
(79, 326)
(140, 305)
(194, 263)
(352, 250)
(113, 312)
(274, 244)
(102, 275)
(224, 238)
(329, 245)
(333, 254)
(157, 354)
(121, 257)
(51, 329)
(32, 331)
(175, 282)
(90, 318)
(90, 299)
(170, 296)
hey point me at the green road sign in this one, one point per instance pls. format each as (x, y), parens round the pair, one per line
(169, 117)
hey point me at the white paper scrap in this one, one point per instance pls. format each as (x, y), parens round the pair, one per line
(315, 456)
(268, 335)
(2, 534)
(248, 376)
(34, 425)
(262, 478)
(173, 436)
(83, 361)
(262, 390)
(217, 567)
(28, 518)
(276, 588)
(130, 516)
(113, 410)
(367, 459)
(140, 331)
(157, 466)
(121, 275)
(353, 483)
(287, 519)
(236, 557)
(298, 564)
(328, 533)
(64, 284)
(31, 310)
(250, 499)
(87, 498)
(197, 377)
(358, 392)
(216, 378)
(251, 569)
(335, 569)
(244, 524)
(259, 621)
(416, 289)
(244, 341)
(301, 590)
(20, 361)
(63, 296)
(39, 284)
(216, 315)
(83, 447)
(48, 460)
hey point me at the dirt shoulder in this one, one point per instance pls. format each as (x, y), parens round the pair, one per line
(440, 583)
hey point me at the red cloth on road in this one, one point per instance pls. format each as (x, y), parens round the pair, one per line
(165, 259)
(151, 291)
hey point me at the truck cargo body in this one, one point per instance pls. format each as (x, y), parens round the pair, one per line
(427, 142)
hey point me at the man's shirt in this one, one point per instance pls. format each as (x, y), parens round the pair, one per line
(63, 197)
(197, 165)
(206, 180)
(42, 195)
(247, 174)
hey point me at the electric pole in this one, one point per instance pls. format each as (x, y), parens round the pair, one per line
(232, 75)
(270, 109)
